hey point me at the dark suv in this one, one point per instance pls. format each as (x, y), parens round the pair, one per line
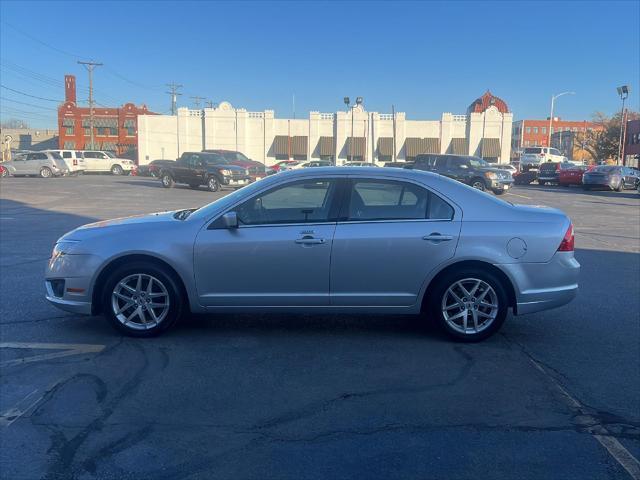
(256, 169)
(210, 169)
(473, 171)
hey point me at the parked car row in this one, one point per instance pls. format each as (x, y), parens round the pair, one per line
(51, 163)
(610, 177)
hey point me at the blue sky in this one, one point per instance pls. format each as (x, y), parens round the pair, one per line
(424, 57)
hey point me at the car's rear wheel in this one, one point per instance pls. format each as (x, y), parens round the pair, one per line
(116, 170)
(167, 181)
(142, 300)
(212, 184)
(469, 304)
(478, 183)
(45, 172)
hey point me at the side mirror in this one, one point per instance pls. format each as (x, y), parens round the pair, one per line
(230, 220)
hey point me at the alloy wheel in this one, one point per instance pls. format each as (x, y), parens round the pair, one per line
(140, 301)
(470, 305)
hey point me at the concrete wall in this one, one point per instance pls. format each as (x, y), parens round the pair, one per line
(253, 133)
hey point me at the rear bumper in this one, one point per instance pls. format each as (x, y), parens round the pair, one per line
(542, 286)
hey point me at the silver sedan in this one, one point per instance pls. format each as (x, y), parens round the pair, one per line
(324, 240)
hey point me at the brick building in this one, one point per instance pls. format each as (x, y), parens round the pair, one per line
(534, 133)
(115, 129)
(632, 144)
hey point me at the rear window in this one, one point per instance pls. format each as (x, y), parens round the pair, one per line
(532, 150)
(549, 166)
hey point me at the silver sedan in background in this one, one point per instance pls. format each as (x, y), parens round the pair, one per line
(324, 240)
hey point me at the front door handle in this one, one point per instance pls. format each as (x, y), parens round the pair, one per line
(308, 240)
(437, 237)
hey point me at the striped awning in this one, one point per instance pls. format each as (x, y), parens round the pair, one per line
(357, 147)
(490, 147)
(129, 123)
(69, 145)
(299, 145)
(68, 122)
(281, 145)
(385, 146)
(105, 122)
(325, 146)
(459, 146)
(416, 146)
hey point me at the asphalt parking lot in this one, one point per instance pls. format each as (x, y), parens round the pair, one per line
(553, 395)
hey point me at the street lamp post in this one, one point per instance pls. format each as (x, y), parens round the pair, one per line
(553, 100)
(347, 101)
(623, 91)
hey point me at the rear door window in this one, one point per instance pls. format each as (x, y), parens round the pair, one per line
(391, 200)
(532, 150)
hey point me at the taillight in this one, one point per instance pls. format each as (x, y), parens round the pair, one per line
(568, 241)
(75, 162)
(557, 167)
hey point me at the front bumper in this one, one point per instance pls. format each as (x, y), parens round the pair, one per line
(77, 273)
(236, 180)
(542, 286)
(501, 184)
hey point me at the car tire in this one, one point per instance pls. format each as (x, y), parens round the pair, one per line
(116, 170)
(620, 186)
(167, 181)
(542, 183)
(213, 185)
(45, 172)
(442, 300)
(151, 311)
(478, 184)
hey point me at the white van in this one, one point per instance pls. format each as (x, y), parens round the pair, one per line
(532, 157)
(73, 159)
(98, 161)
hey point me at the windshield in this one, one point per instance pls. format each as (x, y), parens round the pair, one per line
(532, 150)
(109, 154)
(478, 162)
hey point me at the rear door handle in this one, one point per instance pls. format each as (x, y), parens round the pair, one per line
(310, 241)
(436, 237)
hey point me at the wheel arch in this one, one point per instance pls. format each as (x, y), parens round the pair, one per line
(98, 285)
(504, 279)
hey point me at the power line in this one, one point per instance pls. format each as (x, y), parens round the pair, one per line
(196, 100)
(32, 96)
(28, 104)
(40, 41)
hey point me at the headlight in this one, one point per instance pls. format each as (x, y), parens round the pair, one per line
(225, 172)
(64, 247)
(490, 175)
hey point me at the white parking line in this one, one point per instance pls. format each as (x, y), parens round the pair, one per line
(23, 406)
(599, 432)
(517, 195)
(67, 350)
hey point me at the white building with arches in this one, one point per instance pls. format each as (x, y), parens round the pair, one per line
(358, 135)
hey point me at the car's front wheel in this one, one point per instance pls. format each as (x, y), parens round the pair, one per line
(469, 304)
(478, 183)
(167, 181)
(142, 300)
(620, 186)
(117, 170)
(212, 184)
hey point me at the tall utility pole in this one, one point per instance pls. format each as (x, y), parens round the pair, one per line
(196, 100)
(90, 66)
(210, 104)
(623, 91)
(173, 87)
(553, 101)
